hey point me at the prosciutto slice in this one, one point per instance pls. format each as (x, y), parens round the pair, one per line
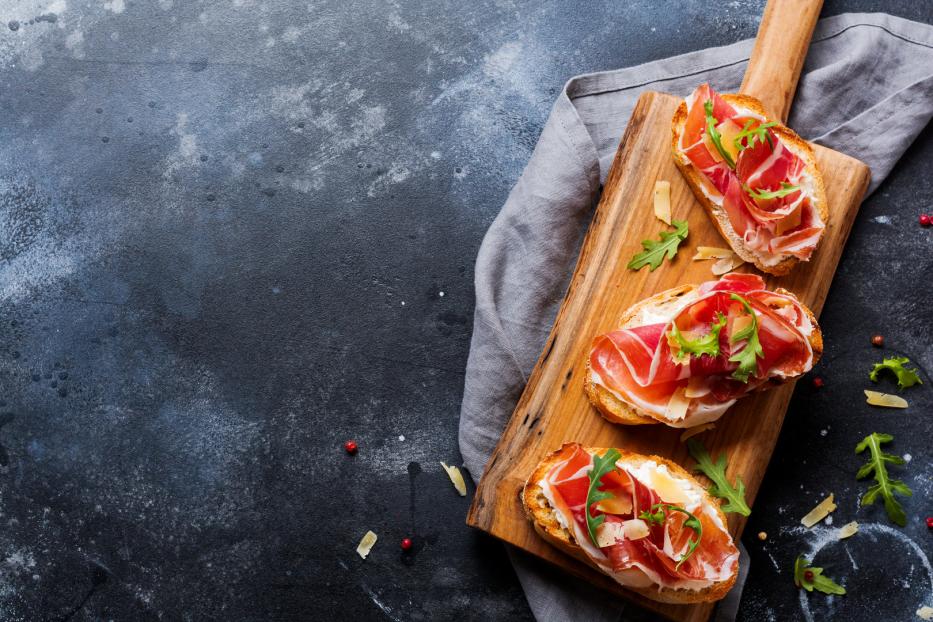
(773, 227)
(637, 365)
(657, 554)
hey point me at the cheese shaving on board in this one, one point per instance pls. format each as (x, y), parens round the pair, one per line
(885, 399)
(818, 513)
(662, 201)
(727, 264)
(690, 432)
(366, 544)
(712, 252)
(456, 478)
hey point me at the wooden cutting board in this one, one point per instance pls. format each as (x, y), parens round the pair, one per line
(554, 409)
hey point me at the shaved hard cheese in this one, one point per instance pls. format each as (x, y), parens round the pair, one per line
(739, 324)
(777, 302)
(711, 147)
(885, 399)
(456, 478)
(727, 264)
(669, 489)
(635, 529)
(691, 432)
(848, 530)
(791, 221)
(818, 513)
(615, 505)
(729, 131)
(366, 544)
(677, 406)
(662, 201)
(608, 534)
(712, 252)
(697, 386)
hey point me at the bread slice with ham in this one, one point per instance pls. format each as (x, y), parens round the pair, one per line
(757, 180)
(644, 539)
(644, 373)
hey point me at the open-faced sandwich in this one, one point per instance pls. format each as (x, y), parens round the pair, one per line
(650, 526)
(757, 179)
(684, 356)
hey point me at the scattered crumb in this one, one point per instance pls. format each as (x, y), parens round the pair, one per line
(824, 432)
(403, 303)
(401, 437)
(925, 613)
(762, 536)
(440, 294)
(907, 457)
(829, 520)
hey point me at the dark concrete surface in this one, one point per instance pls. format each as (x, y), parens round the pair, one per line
(235, 234)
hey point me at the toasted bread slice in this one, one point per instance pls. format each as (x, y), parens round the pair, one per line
(619, 411)
(543, 517)
(695, 178)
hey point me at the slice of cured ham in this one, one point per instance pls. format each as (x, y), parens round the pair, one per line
(636, 363)
(654, 553)
(766, 190)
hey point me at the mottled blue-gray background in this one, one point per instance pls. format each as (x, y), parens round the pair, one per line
(235, 234)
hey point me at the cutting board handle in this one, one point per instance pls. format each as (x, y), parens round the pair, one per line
(780, 48)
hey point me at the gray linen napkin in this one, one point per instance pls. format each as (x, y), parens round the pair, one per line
(866, 90)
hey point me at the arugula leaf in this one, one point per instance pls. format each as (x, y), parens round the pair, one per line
(758, 134)
(817, 580)
(653, 518)
(716, 471)
(784, 190)
(660, 514)
(682, 348)
(747, 357)
(714, 134)
(906, 377)
(885, 486)
(601, 465)
(656, 250)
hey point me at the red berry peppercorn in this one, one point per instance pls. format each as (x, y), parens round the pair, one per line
(877, 341)
(808, 575)
(817, 382)
(406, 544)
(925, 220)
(929, 522)
(351, 447)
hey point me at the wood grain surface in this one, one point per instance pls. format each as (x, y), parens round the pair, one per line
(553, 408)
(780, 50)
